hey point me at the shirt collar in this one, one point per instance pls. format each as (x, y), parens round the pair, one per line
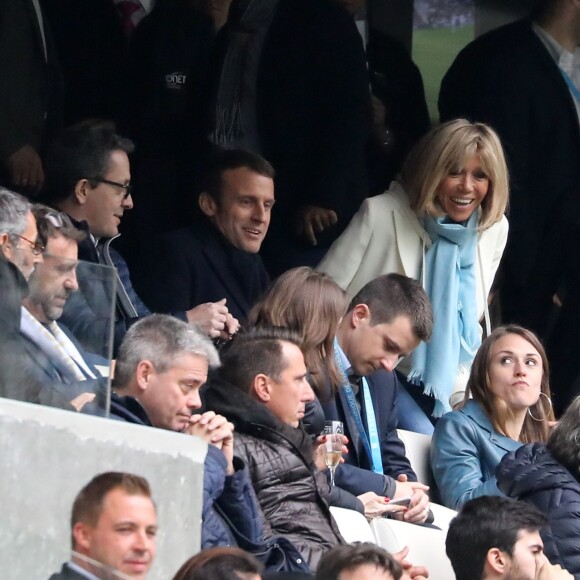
(563, 58)
(344, 359)
(85, 573)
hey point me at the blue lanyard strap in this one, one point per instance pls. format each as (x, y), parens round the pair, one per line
(571, 85)
(370, 441)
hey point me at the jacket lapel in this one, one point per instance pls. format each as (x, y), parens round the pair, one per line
(408, 244)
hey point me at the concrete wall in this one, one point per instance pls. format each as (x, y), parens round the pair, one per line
(47, 455)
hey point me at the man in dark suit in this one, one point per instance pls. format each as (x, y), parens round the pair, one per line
(114, 523)
(30, 93)
(521, 80)
(385, 322)
(218, 258)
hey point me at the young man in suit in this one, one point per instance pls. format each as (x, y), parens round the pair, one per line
(385, 322)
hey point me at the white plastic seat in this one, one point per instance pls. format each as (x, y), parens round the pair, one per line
(353, 525)
(417, 449)
(426, 545)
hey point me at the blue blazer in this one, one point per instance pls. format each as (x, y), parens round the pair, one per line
(465, 451)
(356, 475)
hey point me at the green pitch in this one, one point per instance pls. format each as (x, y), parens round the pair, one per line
(433, 52)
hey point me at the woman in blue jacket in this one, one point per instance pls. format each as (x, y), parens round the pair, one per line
(509, 383)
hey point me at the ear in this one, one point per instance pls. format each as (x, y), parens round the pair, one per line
(82, 536)
(207, 204)
(82, 190)
(145, 370)
(262, 388)
(6, 246)
(497, 561)
(359, 315)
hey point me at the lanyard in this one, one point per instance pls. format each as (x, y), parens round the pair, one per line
(370, 441)
(571, 85)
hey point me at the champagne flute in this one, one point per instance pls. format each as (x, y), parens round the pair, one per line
(334, 431)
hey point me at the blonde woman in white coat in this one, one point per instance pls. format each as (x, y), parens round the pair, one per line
(442, 223)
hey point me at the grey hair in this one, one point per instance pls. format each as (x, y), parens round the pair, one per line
(160, 339)
(14, 211)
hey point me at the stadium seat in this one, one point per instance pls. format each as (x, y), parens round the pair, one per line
(426, 545)
(353, 525)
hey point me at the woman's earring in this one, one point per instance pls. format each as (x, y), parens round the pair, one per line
(549, 401)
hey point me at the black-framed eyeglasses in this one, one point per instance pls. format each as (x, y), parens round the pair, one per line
(128, 188)
(37, 248)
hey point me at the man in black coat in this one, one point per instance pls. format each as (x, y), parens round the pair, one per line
(520, 79)
(293, 85)
(30, 93)
(217, 259)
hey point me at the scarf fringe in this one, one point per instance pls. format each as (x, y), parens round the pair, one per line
(442, 406)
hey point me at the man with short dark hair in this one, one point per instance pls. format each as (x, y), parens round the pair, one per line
(262, 388)
(358, 561)
(218, 257)
(88, 176)
(495, 538)
(385, 322)
(113, 528)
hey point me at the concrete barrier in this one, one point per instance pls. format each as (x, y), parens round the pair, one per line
(47, 455)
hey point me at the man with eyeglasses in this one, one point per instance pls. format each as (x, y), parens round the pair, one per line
(88, 176)
(18, 257)
(18, 233)
(20, 377)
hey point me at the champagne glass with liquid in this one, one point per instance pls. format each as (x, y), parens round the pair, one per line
(334, 432)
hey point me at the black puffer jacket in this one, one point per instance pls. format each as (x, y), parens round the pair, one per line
(531, 474)
(289, 488)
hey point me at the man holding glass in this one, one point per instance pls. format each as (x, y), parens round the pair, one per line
(262, 389)
(386, 321)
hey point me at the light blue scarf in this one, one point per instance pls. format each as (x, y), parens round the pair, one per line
(450, 283)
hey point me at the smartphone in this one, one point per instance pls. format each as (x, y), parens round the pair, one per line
(405, 501)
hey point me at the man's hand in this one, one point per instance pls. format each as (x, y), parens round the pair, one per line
(418, 509)
(410, 571)
(25, 168)
(376, 506)
(232, 326)
(81, 400)
(547, 571)
(319, 451)
(215, 430)
(312, 220)
(211, 317)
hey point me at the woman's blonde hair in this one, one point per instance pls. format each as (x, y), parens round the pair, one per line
(312, 304)
(445, 149)
(535, 427)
